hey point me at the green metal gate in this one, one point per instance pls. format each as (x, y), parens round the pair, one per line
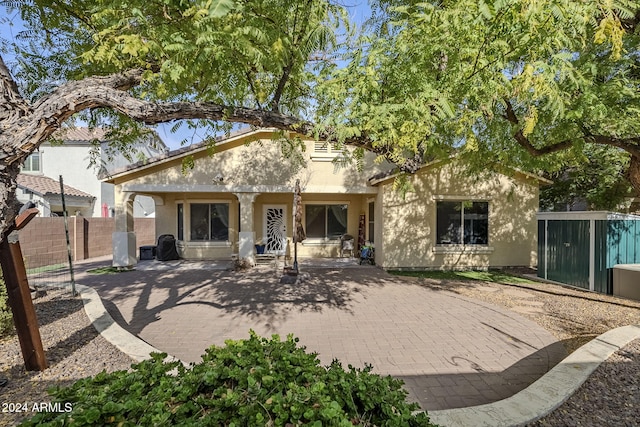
(568, 252)
(581, 248)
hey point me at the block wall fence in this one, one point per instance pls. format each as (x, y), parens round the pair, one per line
(43, 240)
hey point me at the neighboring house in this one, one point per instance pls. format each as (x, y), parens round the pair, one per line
(46, 194)
(243, 195)
(72, 161)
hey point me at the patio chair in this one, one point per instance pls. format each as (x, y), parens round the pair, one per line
(346, 244)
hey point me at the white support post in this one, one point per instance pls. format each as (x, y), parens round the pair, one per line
(247, 234)
(124, 239)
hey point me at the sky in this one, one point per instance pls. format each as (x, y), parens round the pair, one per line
(11, 25)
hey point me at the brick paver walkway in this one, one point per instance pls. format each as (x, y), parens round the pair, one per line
(450, 350)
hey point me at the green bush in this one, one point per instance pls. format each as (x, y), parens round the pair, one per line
(6, 319)
(250, 382)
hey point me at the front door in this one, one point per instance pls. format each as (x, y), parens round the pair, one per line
(275, 226)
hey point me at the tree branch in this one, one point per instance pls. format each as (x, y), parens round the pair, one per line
(286, 71)
(630, 145)
(524, 142)
(48, 113)
(11, 102)
(275, 103)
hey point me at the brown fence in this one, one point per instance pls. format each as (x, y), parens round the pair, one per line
(43, 240)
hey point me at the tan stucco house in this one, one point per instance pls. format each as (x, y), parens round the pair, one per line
(243, 195)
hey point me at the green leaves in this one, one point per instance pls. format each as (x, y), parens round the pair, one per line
(6, 320)
(508, 80)
(257, 381)
(594, 177)
(441, 76)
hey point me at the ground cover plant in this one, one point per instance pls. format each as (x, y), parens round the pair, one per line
(494, 276)
(257, 381)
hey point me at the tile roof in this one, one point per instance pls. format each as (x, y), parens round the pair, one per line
(183, 151)
(81, 134)
(43, 185)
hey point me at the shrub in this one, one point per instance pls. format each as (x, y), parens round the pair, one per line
(251, 382)
(6, 319)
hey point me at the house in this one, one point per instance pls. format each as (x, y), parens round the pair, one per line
(46, 194)
(38, 180)
(243, 194)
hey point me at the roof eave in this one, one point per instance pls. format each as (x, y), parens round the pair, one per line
(181, 153)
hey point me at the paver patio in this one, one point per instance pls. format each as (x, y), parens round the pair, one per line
(450, 350)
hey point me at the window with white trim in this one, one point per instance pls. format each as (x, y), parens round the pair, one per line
(33, 163)
(462, 222)
(209, 222)
(326, 221)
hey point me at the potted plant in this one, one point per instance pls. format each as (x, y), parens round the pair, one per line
(260, 245)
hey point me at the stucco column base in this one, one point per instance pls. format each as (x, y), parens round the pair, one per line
(246, 246)
(124, 249)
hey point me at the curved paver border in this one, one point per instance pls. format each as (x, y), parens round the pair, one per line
(122, 339)
(532, 403)
(548, 392)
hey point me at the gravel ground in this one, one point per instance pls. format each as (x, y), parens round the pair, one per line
(73, 348)
(611, 397)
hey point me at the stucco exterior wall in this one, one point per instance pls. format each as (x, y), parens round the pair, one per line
(258, 163)
(409, 238)
(167, 222)
(246, 169)
(255, 166)
(72, 162)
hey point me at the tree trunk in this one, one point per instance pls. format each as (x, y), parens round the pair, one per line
(8, 202)
(634, 173)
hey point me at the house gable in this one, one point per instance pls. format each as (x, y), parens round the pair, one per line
(251, 161)
(412, 225)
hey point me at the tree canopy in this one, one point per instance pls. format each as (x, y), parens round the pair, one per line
(523, 83)
(596, 181)
(506, 82)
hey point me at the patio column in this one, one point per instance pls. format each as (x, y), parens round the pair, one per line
(247, 234)
(124, 239)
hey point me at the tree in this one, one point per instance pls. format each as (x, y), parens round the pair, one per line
(510, 82)
(597, 180)
(505, 82)
(151, 62)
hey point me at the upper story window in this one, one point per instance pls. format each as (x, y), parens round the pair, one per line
(33, 163)
(462, 222)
